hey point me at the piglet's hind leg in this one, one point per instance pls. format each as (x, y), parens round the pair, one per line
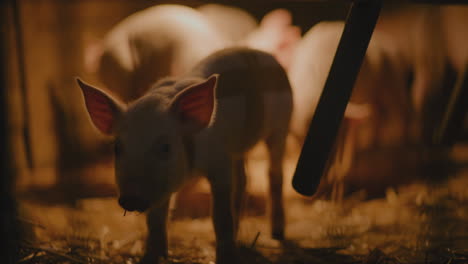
(276, 147)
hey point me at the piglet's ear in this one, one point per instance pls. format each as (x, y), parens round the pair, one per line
(195, 104)
(102, 108)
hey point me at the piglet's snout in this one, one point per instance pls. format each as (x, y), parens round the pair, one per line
(133, 203)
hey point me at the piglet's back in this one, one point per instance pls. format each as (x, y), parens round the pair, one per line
(253, 95)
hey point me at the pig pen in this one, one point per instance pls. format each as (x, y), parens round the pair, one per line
(400, 204)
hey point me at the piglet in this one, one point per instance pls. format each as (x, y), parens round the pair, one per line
(163, 40)
(277, 35)
(379, 112)
(204, 121)
(234, 23)
(398, 79)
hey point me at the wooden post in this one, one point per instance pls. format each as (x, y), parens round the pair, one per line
(8, 227)
(454, 116)
(16, 14)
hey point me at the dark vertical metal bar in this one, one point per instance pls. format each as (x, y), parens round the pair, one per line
(323, 129)
(457, 109)
(22, 80)
(8, 228)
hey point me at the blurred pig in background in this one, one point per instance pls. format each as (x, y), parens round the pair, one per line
(233, 23)
(277, 35)
(397, 100)
(379, 94)
(164, 40)
(412, 35)
(379, 86)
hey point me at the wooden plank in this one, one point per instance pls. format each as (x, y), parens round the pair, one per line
(16, 12)
(8, 226)
(455, 114)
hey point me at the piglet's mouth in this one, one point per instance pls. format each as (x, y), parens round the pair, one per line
(134, 203)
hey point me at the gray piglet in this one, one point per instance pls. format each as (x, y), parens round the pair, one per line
(205, 121)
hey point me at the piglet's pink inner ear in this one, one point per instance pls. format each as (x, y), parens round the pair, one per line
(195, 104)
(102, 109)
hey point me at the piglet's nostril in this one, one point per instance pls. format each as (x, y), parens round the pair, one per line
(133, 203)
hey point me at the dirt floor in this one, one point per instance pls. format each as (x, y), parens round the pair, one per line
(416, 223)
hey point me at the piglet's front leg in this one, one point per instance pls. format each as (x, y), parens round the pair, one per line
(223, 220)
(156, 243)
